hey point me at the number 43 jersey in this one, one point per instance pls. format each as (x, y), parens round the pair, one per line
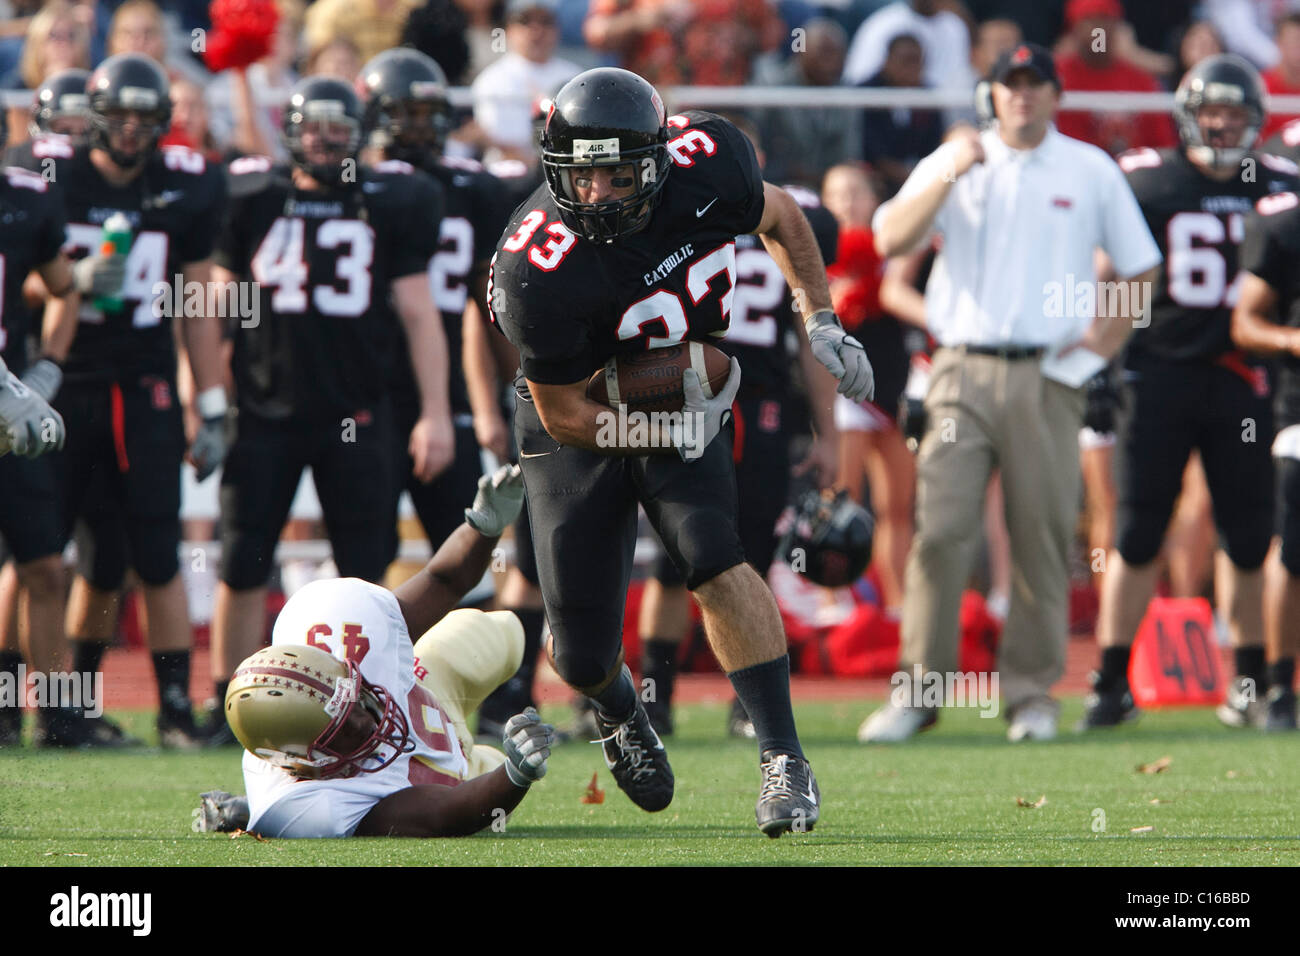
(1199, 224)
(323, 261)
(568, 305)
(174, 207)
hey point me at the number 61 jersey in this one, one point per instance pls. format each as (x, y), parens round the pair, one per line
(568, 305)
(174, 207)
(320, 347)
(1198, 223)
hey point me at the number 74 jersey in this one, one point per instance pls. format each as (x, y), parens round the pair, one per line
(568, 304)
(1199, 224)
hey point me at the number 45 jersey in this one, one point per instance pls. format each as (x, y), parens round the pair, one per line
(323, 261)
(1199, 224)
(568, 305)
(174, 207)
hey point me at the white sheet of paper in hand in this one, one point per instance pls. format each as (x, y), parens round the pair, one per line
(1072, 369)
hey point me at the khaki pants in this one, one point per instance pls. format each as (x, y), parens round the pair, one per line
(466, 656)
(987, 413)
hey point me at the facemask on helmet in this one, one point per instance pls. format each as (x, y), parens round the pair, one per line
(1220, 81)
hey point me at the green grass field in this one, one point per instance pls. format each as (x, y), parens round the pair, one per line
(949, 797)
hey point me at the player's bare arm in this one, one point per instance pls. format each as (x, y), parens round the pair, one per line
(430, 810)
(1254, 326)
(59, 326)
(823, 458)
(432, 442)
(201, 335)
(481, 379)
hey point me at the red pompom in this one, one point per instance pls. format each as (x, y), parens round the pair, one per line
(242, 33)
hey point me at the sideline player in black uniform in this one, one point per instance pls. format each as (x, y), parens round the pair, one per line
(762, 312)
(32, 233)
(407, 113)
(1186, 386)
(1266, 321)
(328, 245)
(126, 436)
(631, 246)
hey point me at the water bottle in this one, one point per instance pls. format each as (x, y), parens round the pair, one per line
(115, 240)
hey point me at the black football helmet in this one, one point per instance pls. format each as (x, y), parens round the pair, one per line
(61, 97)
(128, 83)
(407, 113)
(1224, 79)
(328, 106)
(827, 539)
(606, 117)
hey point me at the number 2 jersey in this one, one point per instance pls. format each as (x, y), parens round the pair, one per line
(568, 305)
(358, 621)
(31, 234)
(174, 207)
(321, 344)
(1198, 224)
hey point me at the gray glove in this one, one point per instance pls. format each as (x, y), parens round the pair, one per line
(99, 275)
(209, 448)
(703, 418)
(842, 354)
(44, 378)
(527, 743)
(500, 496)
(28, 425)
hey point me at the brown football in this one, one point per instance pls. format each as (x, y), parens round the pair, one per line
(651, 381)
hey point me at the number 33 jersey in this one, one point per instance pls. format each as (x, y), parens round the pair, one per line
(361, 622)
(323, 261)
(174, 207)
(568, 304)
(1199, 224)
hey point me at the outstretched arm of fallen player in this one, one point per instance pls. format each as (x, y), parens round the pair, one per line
(433, 443)
(429, 810)
(462, 559)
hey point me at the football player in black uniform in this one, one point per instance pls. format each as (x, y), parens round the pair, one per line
(1266, 321)
(1185, 384)
(328, 244)
(630, 246)
(118, 396)
(762, 311)
(32, 233)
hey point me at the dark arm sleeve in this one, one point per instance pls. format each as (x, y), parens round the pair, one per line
(554, 343)
(733, 169)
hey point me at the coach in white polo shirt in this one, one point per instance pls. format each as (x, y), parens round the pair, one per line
(1021, 210)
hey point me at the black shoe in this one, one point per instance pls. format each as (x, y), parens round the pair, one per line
(1242, 707)
(636, 755)
(661, 717)
(178, 731)
(11, 726)
(220, 812)
(738, 722)
(69, 727)
(216, 731)
(1108, 706)
(584, 726)
(109, 733)
(789, 799)
(1279, 706)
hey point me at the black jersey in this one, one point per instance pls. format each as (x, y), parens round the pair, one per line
(472, 222)
(763, 311)
(1285, 142)
(174, 208)
(568, 305)
(322, 344)
(32, 231)
(1271, 250)
(517, 179)
(1198, 224)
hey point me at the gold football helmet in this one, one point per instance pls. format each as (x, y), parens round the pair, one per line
(288, 703)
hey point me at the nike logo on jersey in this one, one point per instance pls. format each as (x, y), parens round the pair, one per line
(536, 454)
(701, 212)
(167, 197)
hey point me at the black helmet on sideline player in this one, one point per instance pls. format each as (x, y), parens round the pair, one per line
(322, 128)
(606, 117)
(828, 539)
(121, 85)
(1223, 80)
(407, 113)
(61, 97)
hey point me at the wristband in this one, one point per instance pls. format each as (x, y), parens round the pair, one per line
(211, 402)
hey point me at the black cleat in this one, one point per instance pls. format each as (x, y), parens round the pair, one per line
(109, 733)
(11, 726)
(738, 722)
(221, 812)
(1279, 707)
(178, 731)
(1241, 707)
(216, 732)
(69, 727)
(1107, 706)
(661, 717)
(636, 756)
(789, 800)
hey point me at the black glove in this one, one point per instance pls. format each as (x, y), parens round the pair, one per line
(912, 419)
(1103, 401)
